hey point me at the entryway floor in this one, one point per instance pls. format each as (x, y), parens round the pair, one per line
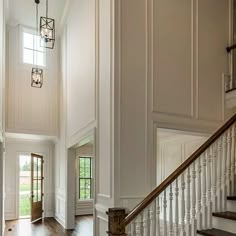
(49, 227)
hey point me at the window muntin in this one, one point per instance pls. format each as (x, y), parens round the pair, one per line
(85, 178)
(32, 52)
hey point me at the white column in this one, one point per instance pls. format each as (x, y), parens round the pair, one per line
(164, 214)
(214, 177)
(233, 161)
(183, 230)
(219, 174)
(188, 213)
(224, 166)
(199, 195)
(194, 220)
(158, 226)
(176, 208)
(171, 212)
(209, 200)
(204, 193)
(228, 182)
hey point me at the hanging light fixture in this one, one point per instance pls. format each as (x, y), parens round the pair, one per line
(37, 73)
(47, 30)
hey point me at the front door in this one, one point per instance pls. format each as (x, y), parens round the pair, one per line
(36, 187)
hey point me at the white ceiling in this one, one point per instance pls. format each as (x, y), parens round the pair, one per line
(23, 11)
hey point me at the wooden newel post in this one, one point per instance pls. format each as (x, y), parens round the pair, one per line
(116, 222)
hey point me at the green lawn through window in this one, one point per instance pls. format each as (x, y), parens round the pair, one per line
(24, 205)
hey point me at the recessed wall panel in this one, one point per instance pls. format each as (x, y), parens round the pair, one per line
(172, 85)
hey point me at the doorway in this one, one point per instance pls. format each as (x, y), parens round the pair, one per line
(24, 186)
(80, 182)
(30, 200)
(84, 175)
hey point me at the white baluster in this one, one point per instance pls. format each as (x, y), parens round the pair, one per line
(147, 222)
(188, 215)
(153, 218)
(204, 193)
(171, 212)
(164, 214)
(209, 201)
(128, 230)
(233, 161)
(133, 228)
(194, 220)
(219, 174)
(199, 195)
(214, 179)
(141, 224)
(158, 225)
(224, 165)
(176, 208)
(183, 231)
(228, 182)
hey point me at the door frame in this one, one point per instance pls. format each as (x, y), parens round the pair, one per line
(70, 178)
(18, 180)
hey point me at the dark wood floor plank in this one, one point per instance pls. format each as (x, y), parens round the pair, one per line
(49, 227)
(215, 232)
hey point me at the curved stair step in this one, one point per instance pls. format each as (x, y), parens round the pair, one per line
(231, 198)
(226, 215)
(215, 232)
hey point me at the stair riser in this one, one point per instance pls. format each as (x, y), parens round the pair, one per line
(231, 206)
(224, 224)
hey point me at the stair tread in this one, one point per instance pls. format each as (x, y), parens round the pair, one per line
(227, 215)
(232, 198)
(215, 232)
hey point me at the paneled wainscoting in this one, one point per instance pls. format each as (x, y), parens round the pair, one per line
(49, 227)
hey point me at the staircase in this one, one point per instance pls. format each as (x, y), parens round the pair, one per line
(198, 198)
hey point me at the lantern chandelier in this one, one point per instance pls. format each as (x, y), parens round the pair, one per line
(37, 73)
(47, 30)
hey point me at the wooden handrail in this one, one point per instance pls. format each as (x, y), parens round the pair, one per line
(158, 190)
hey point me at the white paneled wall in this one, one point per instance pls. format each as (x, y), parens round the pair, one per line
(127, 74)
(30, 110)
(15, 147)
(169, 59)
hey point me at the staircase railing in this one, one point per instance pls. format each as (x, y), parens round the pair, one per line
(183, 203)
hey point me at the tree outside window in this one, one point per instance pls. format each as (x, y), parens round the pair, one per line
(85, 178)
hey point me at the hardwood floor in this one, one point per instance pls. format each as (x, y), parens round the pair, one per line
(49, 227)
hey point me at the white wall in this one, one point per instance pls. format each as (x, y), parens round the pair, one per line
(14, 148)
(173, 148)
(80, 66)
(2, 112)
(30, 110)
(77, 99)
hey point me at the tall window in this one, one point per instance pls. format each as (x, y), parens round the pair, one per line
(32, 52)
(85, 178)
